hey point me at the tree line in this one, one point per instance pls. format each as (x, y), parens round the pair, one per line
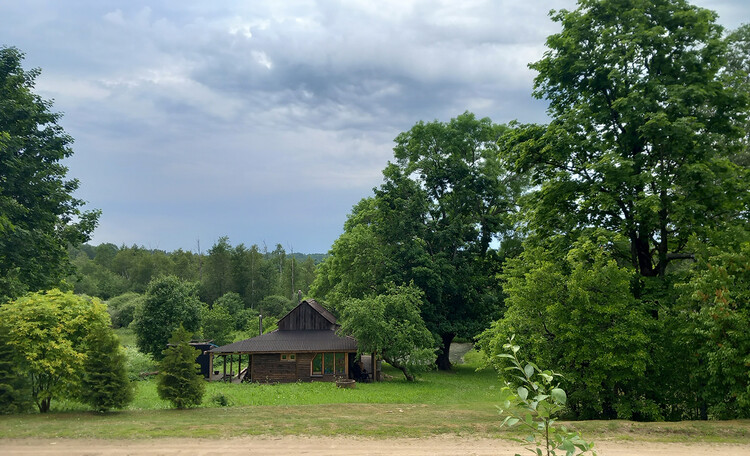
(254, 273)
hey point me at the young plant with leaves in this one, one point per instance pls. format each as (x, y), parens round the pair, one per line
(535, 405)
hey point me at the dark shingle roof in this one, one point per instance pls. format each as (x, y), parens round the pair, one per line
(321, 310)
(291, 341)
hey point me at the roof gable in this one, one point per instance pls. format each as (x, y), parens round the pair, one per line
(308, 315)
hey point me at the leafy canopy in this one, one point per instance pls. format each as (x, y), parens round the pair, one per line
(47, 332)
(390, 325)
(39, 217)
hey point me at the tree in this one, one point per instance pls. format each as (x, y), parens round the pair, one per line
(169, 302)
(217, 279)
(444, 201)
(390, 325)
(179, 380)
(737, 77)
(577, 315)
(715, 301)
(217, 324)
(105, 383)
(47, 332)
(122, 309)
(642, 129)
(40, 217)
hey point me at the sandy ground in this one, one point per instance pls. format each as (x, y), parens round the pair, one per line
(338, 446)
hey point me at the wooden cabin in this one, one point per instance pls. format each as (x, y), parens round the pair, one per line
(305, 347)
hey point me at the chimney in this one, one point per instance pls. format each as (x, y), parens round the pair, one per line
(260, 324)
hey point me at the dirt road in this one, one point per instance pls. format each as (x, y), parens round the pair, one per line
(337, 446)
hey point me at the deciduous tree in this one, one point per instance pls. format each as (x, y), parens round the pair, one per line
(642, 129)
(169, 302)
(39, 217)
(390, 325)
(47, 333)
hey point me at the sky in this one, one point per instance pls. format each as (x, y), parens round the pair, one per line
(266, 121)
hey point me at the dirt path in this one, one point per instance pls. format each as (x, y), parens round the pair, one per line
(336, 446)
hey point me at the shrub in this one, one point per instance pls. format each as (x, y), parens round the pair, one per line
(180, 381)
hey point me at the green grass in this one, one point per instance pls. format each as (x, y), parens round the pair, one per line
(127, 336)
(461, 402)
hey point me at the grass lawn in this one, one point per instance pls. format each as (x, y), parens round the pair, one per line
(461, 402)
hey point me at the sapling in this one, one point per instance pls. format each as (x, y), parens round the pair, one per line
(535, 405)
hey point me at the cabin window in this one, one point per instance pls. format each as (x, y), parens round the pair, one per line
(288, 357)
(328, 364)
(317, 364)
(340, 363)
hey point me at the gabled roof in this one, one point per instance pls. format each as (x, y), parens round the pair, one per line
(321, 310)
(291, 341)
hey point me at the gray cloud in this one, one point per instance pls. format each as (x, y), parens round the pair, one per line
(267, 120)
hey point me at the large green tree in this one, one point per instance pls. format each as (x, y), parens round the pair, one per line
(444, 200)
(737, 77)
(642, 129)
(576, 314)
(39, 217)
(47, 333)
(169, 302)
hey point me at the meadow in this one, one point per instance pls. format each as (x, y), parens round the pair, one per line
(459, 403)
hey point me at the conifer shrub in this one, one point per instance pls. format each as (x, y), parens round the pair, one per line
(105, 384)
(179, 380)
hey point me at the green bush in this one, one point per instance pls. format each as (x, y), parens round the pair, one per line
(137, 362)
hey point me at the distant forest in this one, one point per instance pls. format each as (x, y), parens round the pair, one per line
(254, 272)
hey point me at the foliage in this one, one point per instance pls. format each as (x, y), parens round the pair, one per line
(638, 108)
(390, 326)
(737, 77)
(122, 308)
(216, 324)
(137, 363)
(577, 316)
(15, 391)
(179, 380)
(715, 300)
(46, 332)
(432, 222)
(275, 306)
(169, 302)
(535, 404)
(105, 384)
(251, 273)
(39, 217)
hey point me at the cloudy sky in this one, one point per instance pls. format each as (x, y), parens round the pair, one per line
(266, 121)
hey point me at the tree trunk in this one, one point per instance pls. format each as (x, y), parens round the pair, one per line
(443, 359)
(44, 405)
(407, 374)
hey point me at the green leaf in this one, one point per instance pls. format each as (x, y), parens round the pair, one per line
(558, 394)
(528, 370)
(523, 393)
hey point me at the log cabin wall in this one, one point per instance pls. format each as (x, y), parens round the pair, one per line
(268, 368)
